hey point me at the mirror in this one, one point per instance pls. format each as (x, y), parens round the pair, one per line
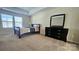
(57, 20)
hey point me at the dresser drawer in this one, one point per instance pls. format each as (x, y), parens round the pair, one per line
(48, 31)
(49, 34)
(59, 30)
(58, 33)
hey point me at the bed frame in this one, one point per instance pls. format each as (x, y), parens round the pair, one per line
(32, 31)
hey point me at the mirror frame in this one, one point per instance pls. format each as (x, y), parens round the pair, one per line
(56, 16)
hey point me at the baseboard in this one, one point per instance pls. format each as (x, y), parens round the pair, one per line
(73, 42)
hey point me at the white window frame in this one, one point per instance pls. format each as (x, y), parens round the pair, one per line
(6, 21)
(20, 22)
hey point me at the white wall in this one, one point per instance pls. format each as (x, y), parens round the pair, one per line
(26, 21)
(71, 22)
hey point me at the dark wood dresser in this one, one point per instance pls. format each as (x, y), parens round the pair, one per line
(57, 32)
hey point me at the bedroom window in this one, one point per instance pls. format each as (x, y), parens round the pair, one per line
(18, 21)
(7, 21)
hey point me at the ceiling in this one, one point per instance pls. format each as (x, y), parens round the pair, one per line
(24, 10)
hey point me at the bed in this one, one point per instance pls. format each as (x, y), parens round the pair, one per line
(35, 28)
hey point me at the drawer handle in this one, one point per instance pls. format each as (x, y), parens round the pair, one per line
(59, 30)
(58, 36)
(58, 33)
(48, 34)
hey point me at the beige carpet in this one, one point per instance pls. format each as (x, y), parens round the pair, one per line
(35, 42)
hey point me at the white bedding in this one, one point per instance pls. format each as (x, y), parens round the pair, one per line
(24, 30)
(27, 30)
(36, 29)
